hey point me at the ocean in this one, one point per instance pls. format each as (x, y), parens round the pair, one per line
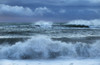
(50, 43)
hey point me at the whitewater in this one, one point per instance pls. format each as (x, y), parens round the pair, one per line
(49, 43)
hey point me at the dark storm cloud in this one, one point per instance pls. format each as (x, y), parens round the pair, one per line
(53, 2)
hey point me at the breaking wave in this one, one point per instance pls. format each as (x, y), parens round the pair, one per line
(42, 47)
(91, 23)
(44, 24)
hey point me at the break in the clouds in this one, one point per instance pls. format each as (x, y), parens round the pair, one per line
(61, 10)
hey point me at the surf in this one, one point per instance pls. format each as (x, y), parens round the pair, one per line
(43, 47)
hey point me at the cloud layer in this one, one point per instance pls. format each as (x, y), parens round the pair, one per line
(55, 2)
(51, 9)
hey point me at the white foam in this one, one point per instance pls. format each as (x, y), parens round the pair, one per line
(51, 62)
(44, 24)
(95, 22)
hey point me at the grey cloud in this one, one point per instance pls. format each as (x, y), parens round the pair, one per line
(41, 11)
(89, 13)
(22, 11)
(15, 10)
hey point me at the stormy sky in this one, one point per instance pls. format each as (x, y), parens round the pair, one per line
(50, 10)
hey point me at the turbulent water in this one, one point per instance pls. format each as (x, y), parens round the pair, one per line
(55, 42)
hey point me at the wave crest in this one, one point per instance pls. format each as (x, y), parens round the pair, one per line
(44, 24)
(42, 47)
(95, 22)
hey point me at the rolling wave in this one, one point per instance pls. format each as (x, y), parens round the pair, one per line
(42, 47)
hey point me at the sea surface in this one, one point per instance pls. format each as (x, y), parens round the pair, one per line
(49, 43)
